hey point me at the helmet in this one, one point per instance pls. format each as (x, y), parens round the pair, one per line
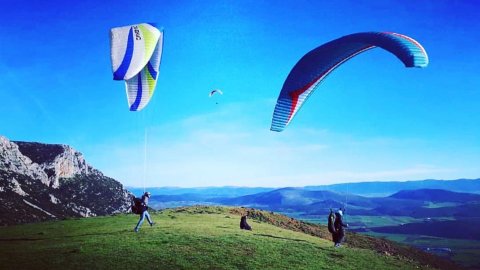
(340, 212)
(147, 194)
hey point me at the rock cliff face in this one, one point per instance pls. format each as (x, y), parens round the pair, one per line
(51, 181)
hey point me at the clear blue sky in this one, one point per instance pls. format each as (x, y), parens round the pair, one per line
(371, 119)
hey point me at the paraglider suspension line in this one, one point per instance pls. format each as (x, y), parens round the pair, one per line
(144, 159)
(346, 203)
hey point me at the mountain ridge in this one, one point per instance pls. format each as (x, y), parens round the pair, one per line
(366, 188)
(41, 182)
(436, 195)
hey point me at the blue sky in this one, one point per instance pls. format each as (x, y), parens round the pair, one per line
(371, 119)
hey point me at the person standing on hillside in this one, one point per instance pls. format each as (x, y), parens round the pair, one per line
(339, 228)
(331, 226)
(143, 211)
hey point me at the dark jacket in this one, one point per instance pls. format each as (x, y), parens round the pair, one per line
(339, 225)
(144, 203)
(243, 224)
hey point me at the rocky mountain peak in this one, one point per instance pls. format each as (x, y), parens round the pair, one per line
(49, 181)
(56, 160)
(11, 159)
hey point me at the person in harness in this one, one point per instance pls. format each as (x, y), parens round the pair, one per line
(331, 226)
(140, 207)
(336, 227)
(339, 228)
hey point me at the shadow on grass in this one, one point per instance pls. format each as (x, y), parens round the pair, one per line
(277, 237)
(20, 239)
(64, 236)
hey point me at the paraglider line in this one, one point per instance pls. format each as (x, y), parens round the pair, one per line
(145, 160)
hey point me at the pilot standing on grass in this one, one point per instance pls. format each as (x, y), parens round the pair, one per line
(144, 213)
(339, 228)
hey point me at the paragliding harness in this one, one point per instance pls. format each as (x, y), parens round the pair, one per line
(137, 206)
(331, 222)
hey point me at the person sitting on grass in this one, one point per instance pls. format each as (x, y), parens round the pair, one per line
(143, 212)
(243, 223)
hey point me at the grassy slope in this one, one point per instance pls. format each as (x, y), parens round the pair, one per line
(185, 238)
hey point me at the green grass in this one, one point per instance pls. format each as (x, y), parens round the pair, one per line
(207, 239)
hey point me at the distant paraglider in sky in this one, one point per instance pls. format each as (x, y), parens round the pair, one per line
(314, 66)
(136, 51)
(215, 92)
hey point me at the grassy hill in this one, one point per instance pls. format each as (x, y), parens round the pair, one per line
(198, 238)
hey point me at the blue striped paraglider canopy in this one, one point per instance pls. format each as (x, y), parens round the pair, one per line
(313, 67)
(135, 52)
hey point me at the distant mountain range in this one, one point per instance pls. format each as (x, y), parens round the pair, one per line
(436, 195)
(377, 189)
(52, 181)
(207, 192)
(290, 198)
(407, 203)
(369, 189)
(421, 203)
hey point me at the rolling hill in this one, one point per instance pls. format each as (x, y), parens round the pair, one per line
(292, 198)
(386, 188)
(199, 238)
(370, 189)
(436, 195)
(317, 202)
(207, 192)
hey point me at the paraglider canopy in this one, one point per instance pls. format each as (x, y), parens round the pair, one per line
(215, 91)
(135, 53)
(314, 66)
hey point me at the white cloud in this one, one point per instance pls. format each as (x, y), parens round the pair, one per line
(213, 150)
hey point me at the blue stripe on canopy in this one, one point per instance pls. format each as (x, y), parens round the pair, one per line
(119, 74)
(138, 98)
(152, 70)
